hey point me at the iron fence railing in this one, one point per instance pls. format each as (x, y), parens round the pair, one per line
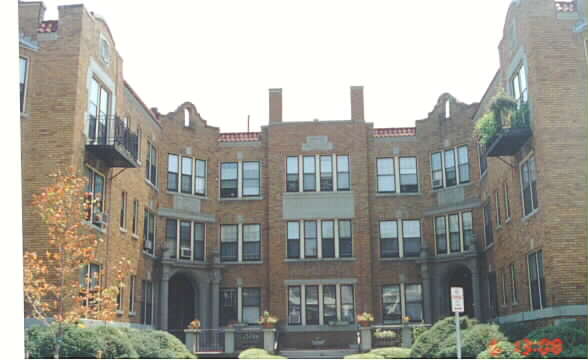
(111, 130)
(248, 338)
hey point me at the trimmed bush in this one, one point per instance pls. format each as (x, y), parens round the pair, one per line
(428, 344)
(155, 344)
(39, 342)
(255, 353)
(115, 342)
(573, 338)
(502, 350)
(392, 352)
(417, 331)
(515, 331)
(474, 340)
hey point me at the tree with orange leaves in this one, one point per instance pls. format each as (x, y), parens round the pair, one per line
(52, 288)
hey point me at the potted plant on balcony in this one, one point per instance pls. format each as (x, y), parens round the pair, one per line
(194, 325)
(267, 320)
(365, 319)
(385, 337)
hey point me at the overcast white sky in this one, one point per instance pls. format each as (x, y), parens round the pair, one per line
(223, 55)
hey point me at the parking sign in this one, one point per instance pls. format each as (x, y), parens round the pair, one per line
(457, 299)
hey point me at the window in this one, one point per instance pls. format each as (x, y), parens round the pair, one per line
(519, 85)
(309, 174)
(447, 109)
(345, 241)
(172, 172)
(24, 70)
(104, 50)
(310, 239)
(200, 177)
(529, 185)
(450, 167)
(147, 308)
(99, 111)
(503, 286)
(293, 240)
(187, 174)
(483, 159)
(399, 301)
(251, 300)
(135, 220)
(411, 232)
(123, 210)
(294, 305)
(338, 304)
(139, 137)
(292, 176)
(343, 180)
(133, 279)
(536, 280)
(408, 175)
(151, 164)
(488, 225)
(190, 182)
(328, 238)
(247, 180)
(186, 118)
(312, 305)
(95, 197)
(497, 205)
(228, 306)
(326, 169)
(386, 177)
(251, 178)
(492, 298)
(229, 242)
(513, 284)
(90, 276)
(335, 240)
(506, 202)
(389, 239)
(453, 233)
(251, 242)
(120, 300)
(149, 232)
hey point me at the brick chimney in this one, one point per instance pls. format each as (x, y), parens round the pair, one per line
(357, 103)
(30, 15)
(275, 106)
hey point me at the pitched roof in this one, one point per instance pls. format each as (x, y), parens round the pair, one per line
(48, 26)
(239, 137)
(394, 132)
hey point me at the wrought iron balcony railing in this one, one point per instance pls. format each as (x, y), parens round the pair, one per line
(110, 139)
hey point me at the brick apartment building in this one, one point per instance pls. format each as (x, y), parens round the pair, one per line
(319, 221)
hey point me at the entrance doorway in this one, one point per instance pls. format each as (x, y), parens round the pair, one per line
(461, 276)
(181, 304)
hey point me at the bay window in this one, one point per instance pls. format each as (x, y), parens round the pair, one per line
(320, 173)
(450, 167)
(319, 239)
(453, 233)
(182, 177)
(304, 304)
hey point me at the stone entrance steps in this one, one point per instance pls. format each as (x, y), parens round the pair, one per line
(317, 354)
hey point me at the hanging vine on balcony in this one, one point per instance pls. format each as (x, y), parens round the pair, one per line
(504, 112)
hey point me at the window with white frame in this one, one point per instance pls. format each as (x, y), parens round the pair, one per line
(408, 175)
(147, 304)
(187, 175)
(132, 283)
(536, 281)
(240, 242)
(454, 233)
(503, 286)
(518, 85)
(450, 167)
(95, 190)
(90, 280)
(400, 301)
(99, 104)
(324, 173)
(405, 182)
(151, 164)
(24, 76)
(240, 305)
(123, 210)
(185, 239)
(240, 179)
(488, 236)
(139, 139)
(497, 208)
(529, 186)
(120, 299)
(400, 238)
(386, 175)
(149, 232)
(319, 239)
(135, 219)
(483, 159)
(104, 50)
(513, 284)
(506, 202)
(316, 304)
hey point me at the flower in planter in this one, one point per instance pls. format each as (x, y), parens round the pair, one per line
(406, 319)
(267, 320)
(365, 318)
(384, 334)
(194, 324)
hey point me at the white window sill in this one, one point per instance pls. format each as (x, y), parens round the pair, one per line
(123, 230)
(507, 220)
(148, 254)
(97, 228)
(151, 185)
(195, 196)
(183, 261)
(139, 162)
(455, 254)
(318, 192)
(257, 262)
(381, 194)
(135, 236)
(530, 215)
(319, 259)
(242, 198)
(132, 314)
(400, 259)
(25, 115)
(119, 313)
(453, 187)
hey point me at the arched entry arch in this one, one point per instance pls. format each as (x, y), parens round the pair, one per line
(460, 276)
(182, 303)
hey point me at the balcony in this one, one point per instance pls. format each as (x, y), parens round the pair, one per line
(111, 141)
(504, 130)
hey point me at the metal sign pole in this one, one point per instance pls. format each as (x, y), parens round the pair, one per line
(458, 337)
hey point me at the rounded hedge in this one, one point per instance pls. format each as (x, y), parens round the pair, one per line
(255, 353)
(474, 341)
(392, 352)
(501, 350)
(155, 344)
(572, 336)
(428, 344)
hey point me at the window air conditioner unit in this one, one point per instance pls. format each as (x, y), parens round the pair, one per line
(148, 244)
(185, 252)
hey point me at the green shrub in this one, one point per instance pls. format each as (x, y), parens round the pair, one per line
(474, 341)
(487, 127)
(573, 338)
(417, 331)
(368, 355)
(255, 353)
(502, 350)
(515, 331)
(116, 343)
(39, 342)
(428, 343)
(155, 344)
(392, 352)
(575, 352)
(81, 343)
(577, 324)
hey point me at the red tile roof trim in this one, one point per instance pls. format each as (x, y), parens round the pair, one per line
(48, 26)
(239, 137)
(394, 132)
